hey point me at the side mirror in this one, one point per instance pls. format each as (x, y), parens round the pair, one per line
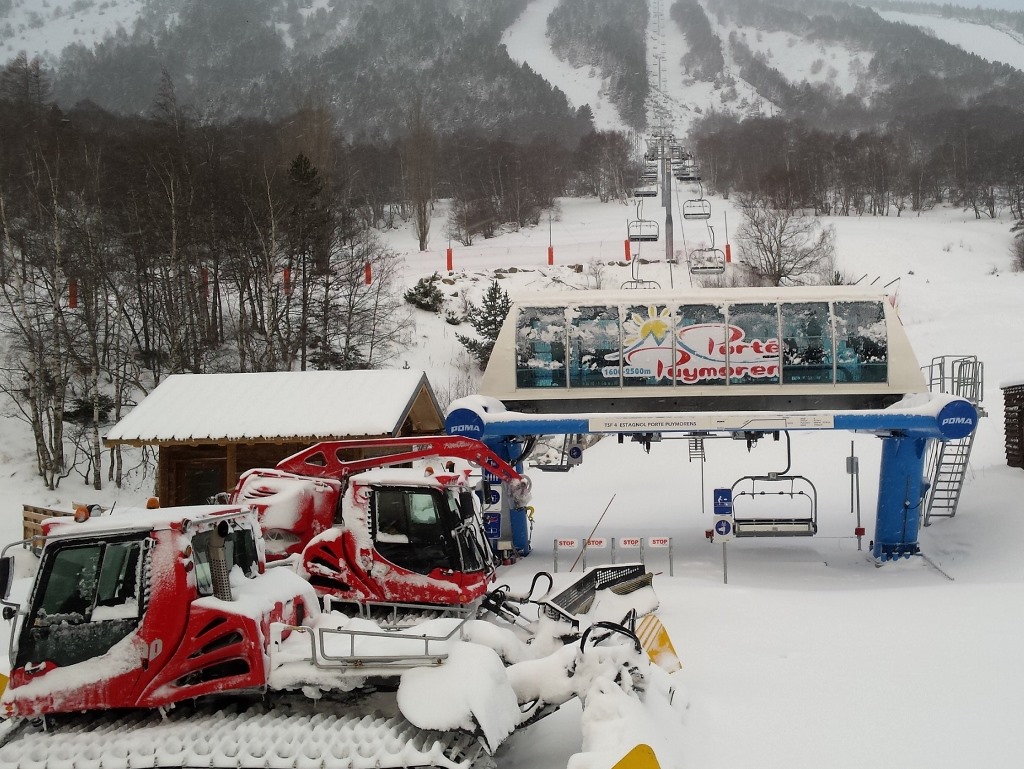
(6, 576)
(467, 505)
(9, 613)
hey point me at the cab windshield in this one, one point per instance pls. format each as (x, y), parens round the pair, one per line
(88, 597)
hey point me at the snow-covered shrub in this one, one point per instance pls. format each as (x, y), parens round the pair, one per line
(426, 295)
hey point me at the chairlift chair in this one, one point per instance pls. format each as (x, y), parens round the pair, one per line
(698, 208)
(637, 281)
(640, 284)
(788, 506)
(643, 231)
(706, 261)
(646, 191)
(689, 170)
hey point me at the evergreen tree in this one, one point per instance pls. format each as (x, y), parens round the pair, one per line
(487, 322)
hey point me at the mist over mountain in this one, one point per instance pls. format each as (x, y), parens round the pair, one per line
(366, 61)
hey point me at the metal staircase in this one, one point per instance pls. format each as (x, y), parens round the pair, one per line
(962, 376)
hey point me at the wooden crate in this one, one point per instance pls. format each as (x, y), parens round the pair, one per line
(32, 518)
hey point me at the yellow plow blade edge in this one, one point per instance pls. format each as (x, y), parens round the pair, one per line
(640, 757)
(654, 638)
(3, 683)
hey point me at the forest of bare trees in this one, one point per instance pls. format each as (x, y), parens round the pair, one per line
(133, 247)
(973, 159)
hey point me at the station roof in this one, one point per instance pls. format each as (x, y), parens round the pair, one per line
(281, 407)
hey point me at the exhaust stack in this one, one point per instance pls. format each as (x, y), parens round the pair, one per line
(219, 563)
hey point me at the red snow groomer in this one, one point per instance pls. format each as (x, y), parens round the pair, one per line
(193, 636)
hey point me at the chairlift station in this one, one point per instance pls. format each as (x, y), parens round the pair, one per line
(734, 362)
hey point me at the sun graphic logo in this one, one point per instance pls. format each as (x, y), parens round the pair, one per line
(647, 343)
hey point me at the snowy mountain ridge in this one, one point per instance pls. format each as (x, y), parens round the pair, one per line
(325, 48)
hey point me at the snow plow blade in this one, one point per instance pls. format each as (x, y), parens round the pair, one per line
(640, 757)
(656, 642)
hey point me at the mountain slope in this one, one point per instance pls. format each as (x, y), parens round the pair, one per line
(522, 68)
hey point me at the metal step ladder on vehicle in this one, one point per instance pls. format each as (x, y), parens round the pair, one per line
(964, 377)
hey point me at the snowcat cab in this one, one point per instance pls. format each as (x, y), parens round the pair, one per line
(367, 531)
(405, 537)
(138, 610)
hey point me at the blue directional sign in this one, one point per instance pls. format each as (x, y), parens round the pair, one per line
(723, 502)
(492, 525)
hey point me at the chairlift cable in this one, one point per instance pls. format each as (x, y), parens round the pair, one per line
(682, 230)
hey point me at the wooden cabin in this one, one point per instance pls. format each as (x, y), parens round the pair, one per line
(209, 428)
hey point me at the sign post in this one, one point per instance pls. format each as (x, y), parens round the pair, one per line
(724, 525)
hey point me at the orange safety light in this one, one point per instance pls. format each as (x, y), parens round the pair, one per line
(153, 503)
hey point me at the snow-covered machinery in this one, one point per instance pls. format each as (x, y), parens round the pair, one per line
(167, 638)
(367, 530)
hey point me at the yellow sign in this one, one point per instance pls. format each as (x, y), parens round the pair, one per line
(640, 757)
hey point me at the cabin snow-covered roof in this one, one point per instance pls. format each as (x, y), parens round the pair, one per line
(280, 407)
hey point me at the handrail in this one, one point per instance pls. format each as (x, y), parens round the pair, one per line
(324, 660)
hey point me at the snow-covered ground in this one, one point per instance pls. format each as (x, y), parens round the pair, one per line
(44, 29)
(526, 40)
(985, 41)
(810, 655)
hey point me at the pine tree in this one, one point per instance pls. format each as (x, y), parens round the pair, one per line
(487, 322)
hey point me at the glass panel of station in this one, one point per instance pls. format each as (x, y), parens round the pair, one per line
(753, 343)
(648, 346)
(700, 341)
(540, 347)
(862, 353)
(807, 352)
(595, 349)
(665, 345)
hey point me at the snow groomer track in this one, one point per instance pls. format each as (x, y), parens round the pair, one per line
(257, 737)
